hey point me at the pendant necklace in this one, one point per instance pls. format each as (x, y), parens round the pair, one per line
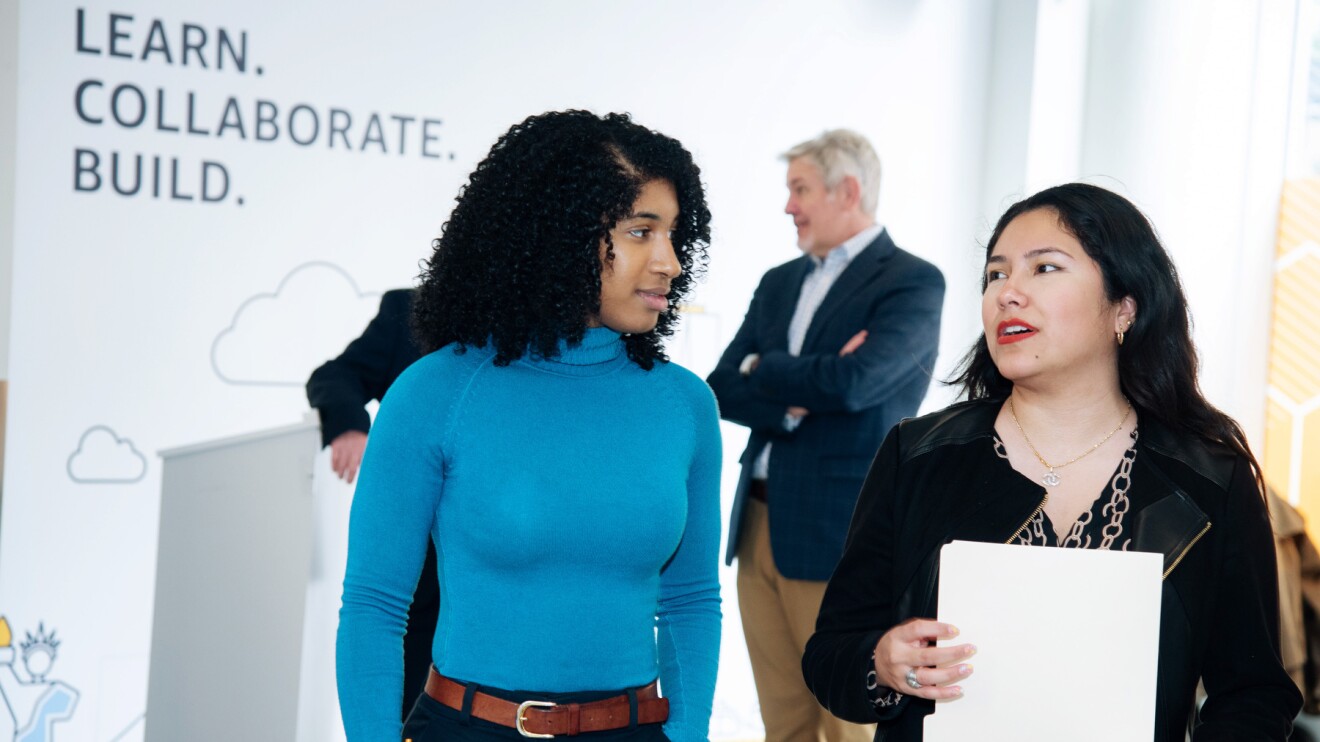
(1051, 477)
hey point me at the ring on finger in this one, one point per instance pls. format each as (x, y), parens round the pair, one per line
(911, 678)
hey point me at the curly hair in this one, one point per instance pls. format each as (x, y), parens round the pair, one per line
(1157, 363)
(518, 264)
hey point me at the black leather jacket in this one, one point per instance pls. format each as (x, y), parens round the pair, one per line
(937, 479)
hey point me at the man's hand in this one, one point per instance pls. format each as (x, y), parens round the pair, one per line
(749, 364)
(346, 454)
(853, 344)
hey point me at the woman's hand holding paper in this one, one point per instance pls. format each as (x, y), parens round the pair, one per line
(907, 661)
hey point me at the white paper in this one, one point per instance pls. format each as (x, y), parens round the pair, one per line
(1067, 643)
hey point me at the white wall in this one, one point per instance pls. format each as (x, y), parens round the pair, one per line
(8, 118)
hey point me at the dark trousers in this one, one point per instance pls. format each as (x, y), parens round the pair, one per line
(417, 641)
(432, 721)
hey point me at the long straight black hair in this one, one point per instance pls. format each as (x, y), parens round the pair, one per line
(1157, 363)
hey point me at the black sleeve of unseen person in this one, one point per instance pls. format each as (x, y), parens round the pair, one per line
(341, 388)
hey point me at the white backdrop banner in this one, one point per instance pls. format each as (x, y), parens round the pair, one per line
(211, 197)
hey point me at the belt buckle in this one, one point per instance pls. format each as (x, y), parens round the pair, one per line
(518, 719)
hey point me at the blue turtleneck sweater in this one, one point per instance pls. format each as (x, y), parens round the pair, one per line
(574, 506)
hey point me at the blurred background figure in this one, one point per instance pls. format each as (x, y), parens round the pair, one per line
(837, 346)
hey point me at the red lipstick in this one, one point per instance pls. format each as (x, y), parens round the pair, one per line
(1013, 330)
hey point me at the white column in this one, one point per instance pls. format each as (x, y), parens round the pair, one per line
(1186, 113)
(1058, 93)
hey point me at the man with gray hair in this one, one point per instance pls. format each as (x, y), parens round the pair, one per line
(837, 346)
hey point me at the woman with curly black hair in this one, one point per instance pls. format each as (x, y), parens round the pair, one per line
(567, 473)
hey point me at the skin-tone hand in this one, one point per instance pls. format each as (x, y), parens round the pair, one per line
(798, 411)
(853, 344)
(346, 453)
(908, 645)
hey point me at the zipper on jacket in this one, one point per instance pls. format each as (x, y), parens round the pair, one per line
(1183, 553)
(1032, 517)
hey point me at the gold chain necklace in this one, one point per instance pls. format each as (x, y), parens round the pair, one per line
(1051, 477)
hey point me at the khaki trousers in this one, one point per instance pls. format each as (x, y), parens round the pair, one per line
(778, 616)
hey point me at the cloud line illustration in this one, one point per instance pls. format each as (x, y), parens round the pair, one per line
(104, 457)
(276, 338)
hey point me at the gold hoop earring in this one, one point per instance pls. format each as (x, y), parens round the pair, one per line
(1120, 337)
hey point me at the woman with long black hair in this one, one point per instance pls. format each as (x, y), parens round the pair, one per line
(1084, 428)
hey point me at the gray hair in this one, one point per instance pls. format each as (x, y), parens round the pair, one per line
(839, 153)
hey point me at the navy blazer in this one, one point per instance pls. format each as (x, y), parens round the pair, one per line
(817, 470)
(340, 388)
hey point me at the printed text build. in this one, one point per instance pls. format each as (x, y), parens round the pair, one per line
(157, 110)
(150, 175)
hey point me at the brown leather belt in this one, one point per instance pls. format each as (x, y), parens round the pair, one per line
(758, 490)
(545, 719)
